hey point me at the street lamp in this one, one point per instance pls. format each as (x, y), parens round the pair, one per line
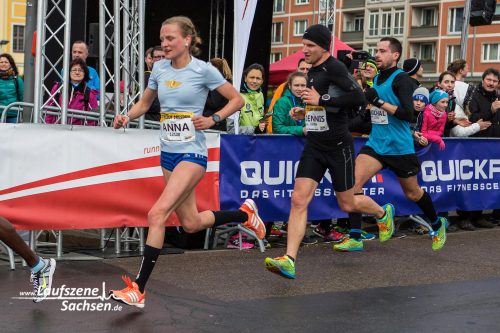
(3, 42)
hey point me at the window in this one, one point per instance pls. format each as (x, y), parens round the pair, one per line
(301, 2)
(452, 53)
(355, 24)
(277, 32)
(299, 27)
(18, 38)
(386, 24)
(371, 49)
(398, 22)
(491, 53)
(428, 17)
(456, 20)
(373, 29)
(275, 56)
(359, 22)
(427, 52)
(279, 6)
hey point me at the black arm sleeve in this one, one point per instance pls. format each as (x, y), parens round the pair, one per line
(404, 87)
(349, 93)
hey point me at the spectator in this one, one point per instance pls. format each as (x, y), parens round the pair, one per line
(415, 70)
(303, 67)
(11, 85)
(446, 82)
(460, 68)
(485, 103)
(434, 118)
(484, 106)
(157, 54)
(215, 101)
(153, 113)
(81, 50)
(80, 95)
(461, 125)
(368, 71)
(282, 122)
(148, 59)
(360, 118)
(420, 101)
(252, 114)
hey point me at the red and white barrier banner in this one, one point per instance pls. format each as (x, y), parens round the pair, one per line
(62, 177)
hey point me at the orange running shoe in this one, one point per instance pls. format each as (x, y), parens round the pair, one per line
(131, 295)
(254, 221)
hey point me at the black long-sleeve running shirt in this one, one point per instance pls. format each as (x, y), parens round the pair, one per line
(348, 96)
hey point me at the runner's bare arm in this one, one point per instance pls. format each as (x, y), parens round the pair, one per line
(144, 104)
(137, 110)
(235, 103)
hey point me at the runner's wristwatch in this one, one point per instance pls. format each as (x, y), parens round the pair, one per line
(216, 119)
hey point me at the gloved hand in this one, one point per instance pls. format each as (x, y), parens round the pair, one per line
(372, 97)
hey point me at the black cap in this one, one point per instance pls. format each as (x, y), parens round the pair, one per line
(411, 66)
(320, 35)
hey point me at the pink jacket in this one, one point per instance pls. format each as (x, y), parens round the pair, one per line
(433, 125)
(75, 102)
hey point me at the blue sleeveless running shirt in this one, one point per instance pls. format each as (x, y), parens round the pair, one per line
(389, 135)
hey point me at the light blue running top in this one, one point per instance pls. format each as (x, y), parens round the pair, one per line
(180, 91)
(389, 135)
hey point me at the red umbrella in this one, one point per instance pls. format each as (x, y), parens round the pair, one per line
(278, 71)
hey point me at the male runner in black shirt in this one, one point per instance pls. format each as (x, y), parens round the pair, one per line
(330, 96)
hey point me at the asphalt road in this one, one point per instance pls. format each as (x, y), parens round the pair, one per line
(401, 286)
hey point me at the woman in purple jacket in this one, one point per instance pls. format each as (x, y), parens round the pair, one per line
(80, 97)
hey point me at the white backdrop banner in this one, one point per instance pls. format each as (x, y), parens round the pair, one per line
(63, 177)
(244, 13)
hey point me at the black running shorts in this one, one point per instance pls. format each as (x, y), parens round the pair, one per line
(404, 166)
(340, 162)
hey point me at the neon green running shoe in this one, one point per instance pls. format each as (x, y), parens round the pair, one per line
(386, 225)
(349, 245)
(283, 266)
(439, 236)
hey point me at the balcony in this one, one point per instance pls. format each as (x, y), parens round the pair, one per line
(429, 66)
(352, 36)
(429, 31)
(353, 4)
(417, 1)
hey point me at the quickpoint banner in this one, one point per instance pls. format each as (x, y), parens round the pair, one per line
(466, 176)
(76, 177)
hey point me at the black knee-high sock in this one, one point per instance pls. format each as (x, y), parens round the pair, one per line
(148, 263)
(355, 220)
(426, 205)
(326, 225)
(228, 216)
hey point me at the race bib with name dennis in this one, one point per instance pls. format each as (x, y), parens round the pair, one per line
(177, 126)
(315, 118)
(379, 116)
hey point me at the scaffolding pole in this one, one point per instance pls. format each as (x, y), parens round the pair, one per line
(121, 32)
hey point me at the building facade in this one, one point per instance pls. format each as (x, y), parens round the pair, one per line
(12, 22)
(428, 29)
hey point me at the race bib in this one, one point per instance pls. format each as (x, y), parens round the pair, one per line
(315, 118)
(177, 126)
(379, 116)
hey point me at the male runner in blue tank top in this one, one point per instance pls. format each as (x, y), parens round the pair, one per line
(390, 145)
